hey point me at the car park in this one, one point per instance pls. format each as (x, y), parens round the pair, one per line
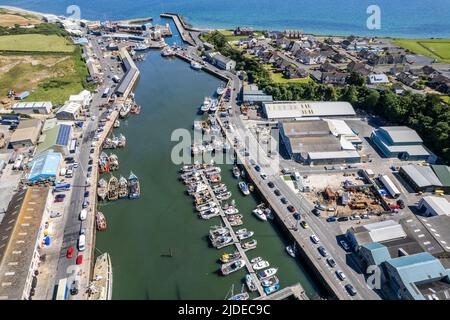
(331, 262)
(304, 224)
(350, 289)
(314, 239)
(341, 276)
(322, 251)
(344, 245)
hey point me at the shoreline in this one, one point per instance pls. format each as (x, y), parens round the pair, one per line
(204, 28)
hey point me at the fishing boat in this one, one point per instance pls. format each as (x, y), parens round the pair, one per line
(291, 250)
(113, 190)
(100, 221)
(236, 172)
(196, 65)
(250, 245)
(206, 105)
(240, 296)
(260, 214)
(261, 265)
(102, 189)
(125, 110)
(113, 162)
(244, 188)
(221, 89)
(214, 105)
(270, 281)
(272, 289)
(134, 186)
(231, 267)
(141, 47)
(116, 124)
(123, 188)
(267, 273)
(100, 288)
(229, 257)
(135, 109)
(250, 282)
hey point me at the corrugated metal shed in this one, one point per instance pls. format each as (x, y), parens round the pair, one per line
(45, 166)
(421, 175)
(443, 174)
(401, 134)
(299, 109)
(438, 205)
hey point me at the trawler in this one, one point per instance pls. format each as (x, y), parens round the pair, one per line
(134, 186)
(123, 188)
(102, 189)
(113, 191)
(206, 105)
(100, 221)
(221, 89)
(113, 162)
(101, 285)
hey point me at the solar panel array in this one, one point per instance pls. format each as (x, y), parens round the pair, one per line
(63, 135)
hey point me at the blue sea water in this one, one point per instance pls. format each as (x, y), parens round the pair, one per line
(399, 18)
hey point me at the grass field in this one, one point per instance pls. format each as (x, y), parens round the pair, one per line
(229, 35)
(433, 48)
(278, 77)
(35, 43)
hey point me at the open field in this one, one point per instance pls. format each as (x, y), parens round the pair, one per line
(35, 43)
(229, 35)
(10, 20)
(278, 77)
(434, 48)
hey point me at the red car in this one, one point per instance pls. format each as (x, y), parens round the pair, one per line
(80, 259)
(69, 253)
(291, 209)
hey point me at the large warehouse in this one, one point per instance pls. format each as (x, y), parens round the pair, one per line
(57, 138)
(289, 110)
(420, 178)
(26, 134)
(311, 141)
(42, 107)
(383, 231)
(434, 206)
(45, 167)
(400, 142)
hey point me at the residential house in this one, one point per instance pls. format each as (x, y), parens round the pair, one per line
(293, 34)
(244, 31)
(407, 78)
(378, 79)
(310, 57)
(387, 59)
(339, 78)
(339, 58)
(328, 67)
(291, 72)
(281, 63)
(359, 68)
(441, 83)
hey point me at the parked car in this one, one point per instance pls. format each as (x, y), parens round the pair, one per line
(74, 288)
(314, 239)
(55, 215)
(365, 216)
(342, 219)
(344, 245)
(270, 184)
(331, 209)
(257, 168)
(85, 204)
(86, 194)
(304, 224)
(69, 253)
(79, 259)
(252, 162)
(340, 275)
(82, 242)
(277, 192)
(263, 176)
(320, 207)
(350, 289)
(331, 262)
(331, 219)
(297, 216)
(291, 208)
(322, 251)
(401, 203)
(284, 201)
(316, 212)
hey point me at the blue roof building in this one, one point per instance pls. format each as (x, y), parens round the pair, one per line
(418, 277)
(45, 167)
(374, 253)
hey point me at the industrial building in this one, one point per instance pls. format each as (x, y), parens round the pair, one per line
(290, 110)
(223, 62)
(434, 206)
(57, 139)
(311, 141)
(131, 74)
(443, 174)
(400, 142)
(45, 167)
(23, 234)
(42, 107)
(26, 134)
(69, 111)
(340, 128)
(420, 178)
(251, 94)
(383, 231)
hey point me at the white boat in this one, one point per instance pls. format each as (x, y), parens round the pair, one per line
(291, 250)
(241, 231)
(221, 89)
(231, 267)
(224, 195)
(246, 235)
(255, 260)
(244, 188)
(206, 104)
(267, 273)
(261, 265)
(250, 282)
(167, 52)
(101, 285)
(214, 106)
(141, 47)
(231, 211)
(272, 289)
(270, 281)
(250, 245)
(236, 172)
(260, 214)
(196, 65)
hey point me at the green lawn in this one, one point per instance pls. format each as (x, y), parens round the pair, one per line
(229, 35)
(433, 48)
(35, 43)
(278, 77)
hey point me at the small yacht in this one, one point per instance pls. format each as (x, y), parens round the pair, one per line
(261, 265)
(250, 245)
(221, 89)
(196, 65)
(267, 273)
(229, 257)
(255, 260)
(270, 281)
(245, 235)
(272, 289)
(291, 250)
(231, 267)
(250, 282)
(236, 172)
(244, 188)
(260, 214)
(206, 105)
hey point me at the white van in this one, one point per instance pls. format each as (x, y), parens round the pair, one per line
(296, 176)
(82, 242)
(83, 214)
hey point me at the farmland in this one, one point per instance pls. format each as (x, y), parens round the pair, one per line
(35, 43)
(434, 48)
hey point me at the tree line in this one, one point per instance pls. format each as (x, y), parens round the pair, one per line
(427, 114)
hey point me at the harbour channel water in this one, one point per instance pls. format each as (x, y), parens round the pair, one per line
(142, 234)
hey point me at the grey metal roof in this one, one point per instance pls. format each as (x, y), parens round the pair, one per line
(439, 205)
(421, 175)
(402, 134)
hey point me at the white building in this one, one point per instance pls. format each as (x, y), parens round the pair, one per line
(380, 232)
(434, 206)
(378, 79)
(84, 98)
(280, 110)
(41, 107)
(69, 111)
(223, 62)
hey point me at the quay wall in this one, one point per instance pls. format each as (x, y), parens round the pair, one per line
(185, 35)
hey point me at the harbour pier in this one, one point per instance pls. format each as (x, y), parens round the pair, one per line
(236, 241)
(185, 35)
(296, 291)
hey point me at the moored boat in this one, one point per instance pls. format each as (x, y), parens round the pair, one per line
(244, 188)
(272, 289)
(250, 245)
(206, 105)
(270, 281)
(123, 188)
(267, 273)
(229, 257)
(291, 250)
(250, 282)
(221, 89)
(261, 265)
(260, 214)
(236, 172)
(100, 221)
(231, 267)
(102, 189)
(134, 186)
(125, 110)
(113, 190)
(101, 285)
(196, 65)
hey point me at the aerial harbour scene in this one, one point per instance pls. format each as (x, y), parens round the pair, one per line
(167, 151)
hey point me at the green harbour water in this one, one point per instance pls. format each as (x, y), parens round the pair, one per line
(142, 233)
